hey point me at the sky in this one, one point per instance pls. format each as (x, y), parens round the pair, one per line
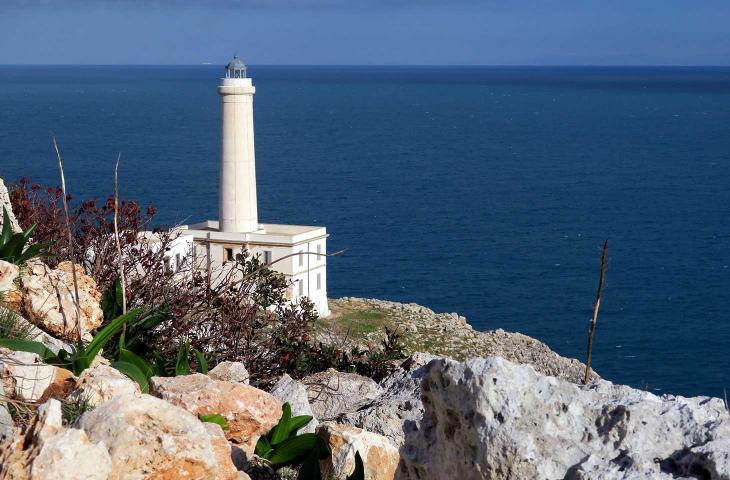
(366, 32)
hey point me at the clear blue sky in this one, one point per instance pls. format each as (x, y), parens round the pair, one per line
(366, 32)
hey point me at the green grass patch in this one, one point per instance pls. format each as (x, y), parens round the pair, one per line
(361, 322)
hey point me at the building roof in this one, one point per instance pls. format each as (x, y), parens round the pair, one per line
(236, 64)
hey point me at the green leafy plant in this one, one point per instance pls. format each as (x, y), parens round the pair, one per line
(13, 326)
(13, 247)
(216, 418)
(80, 357)
(141, 370)
(71, 410)
(282, 447)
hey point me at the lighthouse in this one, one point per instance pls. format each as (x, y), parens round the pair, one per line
(237, 190)
(296, 251)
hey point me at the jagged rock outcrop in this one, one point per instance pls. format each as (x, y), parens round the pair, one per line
(250, 412)
(46, 450)
(46, 297)
(101, 383)
(289, 390)
(449, 335)
(332, 393)
(399, 408)
(380, 457)
(230, 372)
(148, 438)
(5, 202)
(493, 419)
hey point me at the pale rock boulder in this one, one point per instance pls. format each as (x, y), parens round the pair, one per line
(234, 372)
(332, 393)
(5, 202)
(148, 438)
(8, 273)
(289, 390)
(46, 297)
(46, 450)
(25, 375)
(399, 408)
(493, 419)
(380, 457)
(250, 412)
(101, 383)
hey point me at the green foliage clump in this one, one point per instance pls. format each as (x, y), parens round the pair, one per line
(282, 447)
(71, 410)
(13, 247)
(13, 326)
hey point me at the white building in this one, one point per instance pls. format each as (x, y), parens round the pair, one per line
(297, 251)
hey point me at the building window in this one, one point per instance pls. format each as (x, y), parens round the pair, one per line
(301, 258)
(301, 288)
(227, 254)
(267, 257)
(178, 262)
(319, 281)
(319, 252)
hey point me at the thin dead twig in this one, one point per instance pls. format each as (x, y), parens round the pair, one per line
(70, 238)
(594, 320)
(122, 280)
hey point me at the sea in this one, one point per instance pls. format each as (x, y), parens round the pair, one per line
(486, 191)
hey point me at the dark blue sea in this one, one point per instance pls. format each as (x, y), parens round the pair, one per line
(484, 191)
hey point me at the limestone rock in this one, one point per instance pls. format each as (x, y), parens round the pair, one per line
(399, 409)
(46, 298)
(5, 202)
(26, 376)
(250, 412)
(332, 393)
(447, 335)
(493, 419)
(230, 372)
(8, 273)
(380, 457)
(147, 438)
(289, 390)
(46, 450)
(99, 384)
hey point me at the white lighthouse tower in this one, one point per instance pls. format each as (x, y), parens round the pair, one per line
(296, 251)
(237, 197)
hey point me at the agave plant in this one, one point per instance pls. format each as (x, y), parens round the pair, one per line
(13, 247)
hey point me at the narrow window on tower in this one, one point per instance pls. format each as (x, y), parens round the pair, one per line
(301, 258)
(319, 252)
(267, 257)
(319, 281)
(227, 254)
(301, 288)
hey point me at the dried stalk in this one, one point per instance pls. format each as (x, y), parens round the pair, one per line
(594, 320)
(70, 238)
(122, 280)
